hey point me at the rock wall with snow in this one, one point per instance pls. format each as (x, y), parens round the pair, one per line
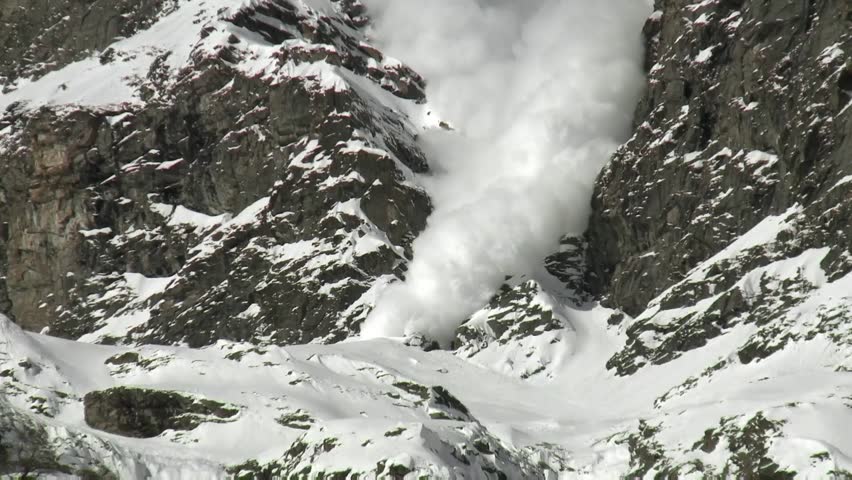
(746, 114)
(726, 218)
(252, 183)
(730, 204)
(203, 199)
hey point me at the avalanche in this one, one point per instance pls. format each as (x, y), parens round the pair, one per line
(540, 94)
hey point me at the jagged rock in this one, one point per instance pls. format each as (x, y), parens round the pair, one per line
(422, 342)
(473, 448)
(224, 204)
(569, 266)
(144, 413)
(746, 440)
(517, 332)
(29, 450)
(25, 448)
(744, 116)
(442, 405)
(744, 120)
(37, 37)
(123, 358)
(512, 315)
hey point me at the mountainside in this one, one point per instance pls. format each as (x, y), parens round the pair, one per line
(188, 175)
(202, 201)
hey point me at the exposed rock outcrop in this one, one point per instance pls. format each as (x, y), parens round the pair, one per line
(223, 202)
(144, 413)
(746, 118)
(745, 115)
(722, 228)
(37, 37)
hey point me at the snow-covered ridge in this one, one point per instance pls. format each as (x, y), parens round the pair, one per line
(278, 48)
(537, 95)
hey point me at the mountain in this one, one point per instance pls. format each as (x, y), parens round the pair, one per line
(202, 201)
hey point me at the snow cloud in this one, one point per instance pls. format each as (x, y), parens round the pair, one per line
(539, 93)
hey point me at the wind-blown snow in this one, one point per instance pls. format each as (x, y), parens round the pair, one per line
(540, 94)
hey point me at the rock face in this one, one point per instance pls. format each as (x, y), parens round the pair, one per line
(144, 413)
(218, 191)
(37, 37)
(217, 201)
(515, 330)
(746, 118)
(722, 229)
(524, 330)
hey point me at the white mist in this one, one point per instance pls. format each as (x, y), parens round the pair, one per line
(540, 94)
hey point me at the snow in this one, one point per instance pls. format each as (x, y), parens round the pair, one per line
(292, 251)
(118, 119)
(134, 290)
(575, 404)
(762, 233)
(691, 157)
(325, 75)
(831, 53)
(807, 265)
(702, 20)
(88, 82)
(343, 388)
(170, 164)
(761, 160)
(843, 181)
(144, 287)
(705, 55)
(537, 357)
(95, 232)
(224, 224)
(178, 215)
(172, 39)
(117, 326)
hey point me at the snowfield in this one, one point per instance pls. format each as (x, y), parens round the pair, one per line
(360, 394)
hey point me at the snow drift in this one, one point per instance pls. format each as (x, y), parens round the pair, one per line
(539, 95)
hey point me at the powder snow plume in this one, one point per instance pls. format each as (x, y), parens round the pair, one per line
(540, 94)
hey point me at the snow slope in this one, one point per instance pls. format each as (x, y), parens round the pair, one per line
(577, 422)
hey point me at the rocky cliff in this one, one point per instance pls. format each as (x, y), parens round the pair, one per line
(739, 164)
(255, 190)
(216, 192)
(727, 216)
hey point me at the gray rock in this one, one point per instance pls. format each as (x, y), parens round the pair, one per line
(40, 36)
(144, 413)
(745, 116)
(684, 186)
(89, 195)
